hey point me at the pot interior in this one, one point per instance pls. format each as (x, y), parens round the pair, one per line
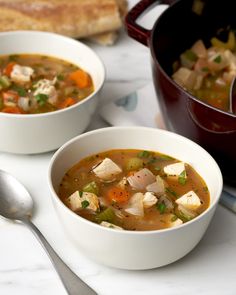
(185, 22)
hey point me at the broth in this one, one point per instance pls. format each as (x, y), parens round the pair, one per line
(31, 84)
(129, 205)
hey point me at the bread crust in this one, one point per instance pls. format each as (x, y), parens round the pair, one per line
(73, 18)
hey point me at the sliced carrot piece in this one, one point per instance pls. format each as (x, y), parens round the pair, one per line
(11, 110)
(81, 78)
(116, 194)
(67, 103)
(8, 69)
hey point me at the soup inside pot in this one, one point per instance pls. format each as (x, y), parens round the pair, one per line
(207, 73)
(134, 190)
(31, 84)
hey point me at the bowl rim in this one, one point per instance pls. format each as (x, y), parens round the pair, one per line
(154, 31)
(73, 42)
(149, 232)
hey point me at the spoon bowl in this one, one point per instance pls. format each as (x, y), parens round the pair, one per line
(16, 204)
(15, 201)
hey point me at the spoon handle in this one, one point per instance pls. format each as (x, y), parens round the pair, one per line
(72, 283)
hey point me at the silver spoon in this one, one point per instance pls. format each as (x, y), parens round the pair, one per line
(232, 97)
(17, 204)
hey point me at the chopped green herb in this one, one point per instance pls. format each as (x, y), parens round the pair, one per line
(174, 218)
(13, 57)
(170, 191)
(182, 178)
(60, 77)
(190, 55)
(166, 158)
(152, 160)
(85, 204)
(111, 226)
(41, 98)
(91, 188)
(143, 154)
(157, 168)
(217, 59)
(161, 207)
(205, 188)
(20, 90)
(205, 69)
(80, 194)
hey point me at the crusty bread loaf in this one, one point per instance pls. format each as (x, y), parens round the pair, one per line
(74, 18)
(109, 38)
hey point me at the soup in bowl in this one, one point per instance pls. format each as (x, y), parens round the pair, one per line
(136, 191)
(49, 87)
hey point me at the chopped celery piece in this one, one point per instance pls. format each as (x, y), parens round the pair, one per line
(182, 178)
(91, 188)
(5, 82)
(134, 164)
(106, 215)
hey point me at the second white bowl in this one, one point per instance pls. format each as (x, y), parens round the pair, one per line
(129, 249)
(37, 133)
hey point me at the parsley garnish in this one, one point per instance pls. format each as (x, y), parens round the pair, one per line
(143, 154)
(21, 91)
(217, 59)
(161, 207)
(60, 77)
(182, 178)
(41, 98)
(170, 191)
(166, 158)
(85, 204)
(80, 194)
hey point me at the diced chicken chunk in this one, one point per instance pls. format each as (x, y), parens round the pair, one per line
(107, 170)
(187, 78)
(110, 225)
(47, 87)
(174, 169)
(141, 179)
(135, 205)
(199, 49)
(20, 74)
(24, 103)
(157, 187)
(174, 221)
(189, 200)
(83, 200)
(149, 200)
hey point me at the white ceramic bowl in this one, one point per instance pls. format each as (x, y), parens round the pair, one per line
(37, 133)
(127, 249)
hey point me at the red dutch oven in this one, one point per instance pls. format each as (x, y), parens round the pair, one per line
(178, 27)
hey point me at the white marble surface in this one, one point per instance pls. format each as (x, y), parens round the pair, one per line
(26, 270)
